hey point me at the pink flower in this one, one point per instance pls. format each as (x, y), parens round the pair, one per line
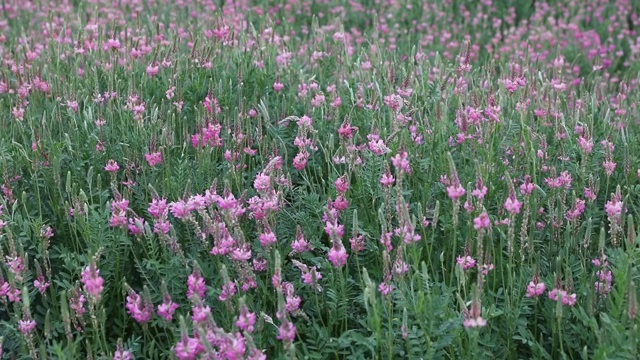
(300, 160)
(122, 354)
(287, 332)
(512, 205)
(480, 191)
(188, 348)
(200, 313)
(338, 254)
(535, 289)
(246, 319)
(300, 245)
(557, 294)
(92, 282)
(613, 209)
(341, 184)
(41, 284)
(196, 285)
(278, 86)
(466, 262)
(26, 326)
(267, 239)
(401, 162)
(609, 167)
(153, 70)
(112, 166)
(111, 44)
(585, 144)
(139, 309)
(474, 322)
(455, 191)
(167, 308)
(387, 179)
(385, 288)
(481, 222)
(153, 159)
(228, 290)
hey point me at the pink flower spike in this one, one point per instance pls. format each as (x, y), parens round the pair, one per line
(153, 159)
(481, 222)
(112, 166)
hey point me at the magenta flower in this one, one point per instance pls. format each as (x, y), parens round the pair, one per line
(535, 289)
(466, 262)
(337, 254)
(481, 222)
(566, 298)
(228, 290)
(153, 70)
(122, 354)
(139, 309)
(387, 179)
(341, 184)
(167, 308)
(287, 332)
(112, 166)
(154, 158)
(26, 326)
(267, 239)
(196, 285)
(512, 205)
(455, 191)
(246, 319)
(188, 348)
(200, 313)
(41, 284)
(401, 162)
(92, 282)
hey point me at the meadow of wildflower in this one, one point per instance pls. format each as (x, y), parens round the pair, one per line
(321, 179)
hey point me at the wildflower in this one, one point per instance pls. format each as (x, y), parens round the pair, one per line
(466, 262)
(200, 313)
(535, 288)
(26, 326)
(401, 162)
(112, 166)
(341, 184)
(609, 166)
(387, 179)
(338, 254)
(92, 282)
(300, 160)
(153, 159)
(228, 290)
(188, 348)
(268, 238)
(300, 245)
(138, 307)
(481, 222)
(246, 320)
(153, 70)
(167, 308)
(287, 331)
(558, 294)
(385, 288)
(122, 354)
(473, 317)
(41, 284)
(512, 205)
(196, 285)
